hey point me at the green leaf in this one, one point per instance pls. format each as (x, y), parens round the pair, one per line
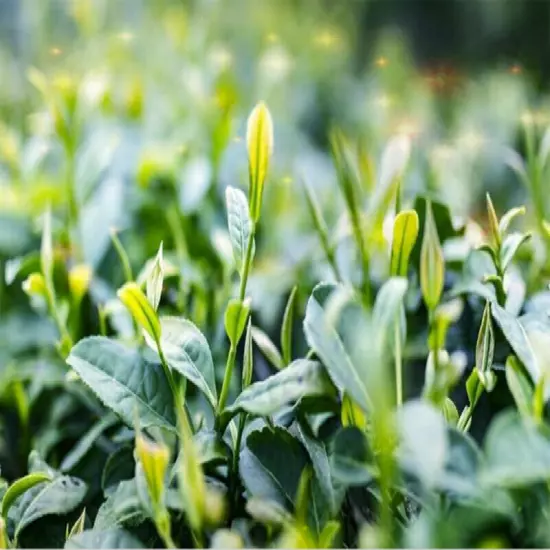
(123, 506)
(485, 346)
(517, 452)
(187, 352)
(87, 441)
(520, 386)
(405, 233)
(57, 497)
(320, 461)
(388, 312)
(120, 466)
(239, 224)
(302, 378)
(268, 348)
(352, 459)
(236, 315)
(109, 538)
(423, 441)
(507, 219)
(286, 327)
(155, 280)
(124, 381)
(328, 344)
(248, 359)
(259, 143)
(271, 465)
(392, 167)
(474, 388)
(19, 487)
(462, 463)
(141, 310)
(432, 264)
(493, 223)
(514, 331)
(211, 448)
(510, 246)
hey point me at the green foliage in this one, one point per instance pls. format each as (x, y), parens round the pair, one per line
(349, 350)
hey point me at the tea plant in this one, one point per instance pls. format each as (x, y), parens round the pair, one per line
(161, 430)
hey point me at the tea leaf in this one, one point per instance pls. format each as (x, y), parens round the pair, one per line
(432, 264)
(140, 308)
(19, 487)
(248, 360)
(124, 381)
(328, 345)
(509, 217)
(56, 497)
(510, 246)
(286, 327)
(268, 348)
(517, 453)
(155, 280)
(271, 465)
(300, 379)
(239, 224)
(485, 346)
(236, 315)
(520, 386)
(405, 233)
(187, 352)
(259, 143)
(77, 453)
(352, 459)
(493, 223)
(115, 537)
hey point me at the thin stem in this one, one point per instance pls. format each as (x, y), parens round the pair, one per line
(124, 260)
(398, 366)
(247, 263)
(235, 465)
(227, 379)
(365, 264)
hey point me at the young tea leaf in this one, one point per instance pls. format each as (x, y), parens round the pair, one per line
(140, 308)
(405, 233)
(268, 348)
(155, 280)
(286, 327)
(432, 264)
(239, 224)
(485, 347)
(236, 315)
(259, 143)
(19, 487)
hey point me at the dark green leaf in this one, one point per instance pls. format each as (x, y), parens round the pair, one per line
(352, 459)
(124, 381)
(109, 538)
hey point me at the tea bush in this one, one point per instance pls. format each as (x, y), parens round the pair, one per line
(221, 337)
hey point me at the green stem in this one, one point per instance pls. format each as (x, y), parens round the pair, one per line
(124, 260)
(229, 366)
(398, 366)
(235, 465)
(72, 214)
(233, 349)
(365, 263)
(247, 263)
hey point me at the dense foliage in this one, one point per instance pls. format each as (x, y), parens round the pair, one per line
(231, 325)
